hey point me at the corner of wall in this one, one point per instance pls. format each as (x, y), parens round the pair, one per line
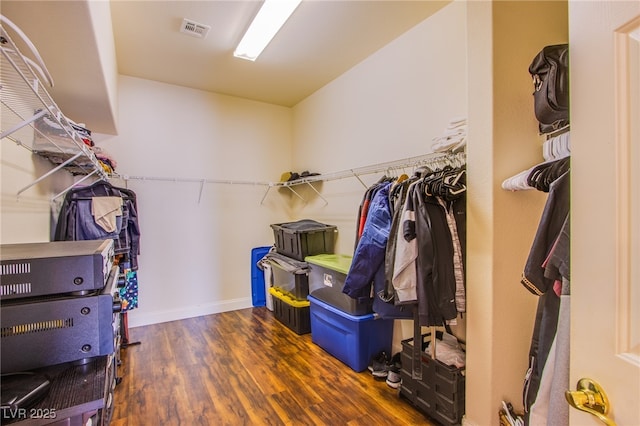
(503, 37)
(479, 408)
(100, 13)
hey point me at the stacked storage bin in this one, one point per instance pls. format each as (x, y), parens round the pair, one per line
(290, 282)
(327, 274)
(345, 327)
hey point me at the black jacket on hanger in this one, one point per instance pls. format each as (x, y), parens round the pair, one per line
(75, 221)
(436, 284)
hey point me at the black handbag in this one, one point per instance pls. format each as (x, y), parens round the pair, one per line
(550, 72)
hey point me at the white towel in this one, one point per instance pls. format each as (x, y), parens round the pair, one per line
(105, 210)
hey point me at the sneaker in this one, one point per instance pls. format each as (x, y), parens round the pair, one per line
(394, 379)
(378, 365)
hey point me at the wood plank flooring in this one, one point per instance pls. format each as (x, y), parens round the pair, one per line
(245, 368)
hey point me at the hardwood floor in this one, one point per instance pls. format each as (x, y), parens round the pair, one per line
(246, 368)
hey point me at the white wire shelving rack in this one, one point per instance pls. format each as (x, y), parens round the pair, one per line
(435, 160)
(25, 100)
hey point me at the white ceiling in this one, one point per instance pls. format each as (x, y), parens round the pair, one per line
(322, 40)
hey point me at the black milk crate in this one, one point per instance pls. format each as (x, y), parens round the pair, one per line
(440, 393)
(303, 238)
(295, 314)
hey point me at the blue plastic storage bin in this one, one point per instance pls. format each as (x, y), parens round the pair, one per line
(258, 292)
(354, 340)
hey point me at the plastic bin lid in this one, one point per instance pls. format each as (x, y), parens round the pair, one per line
(304, 225)
(260, 250)
(355, 318)
(286, 263)
(336, 262)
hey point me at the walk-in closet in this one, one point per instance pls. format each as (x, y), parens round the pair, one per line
(408, 137)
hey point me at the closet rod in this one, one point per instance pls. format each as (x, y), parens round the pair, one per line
(190, 180)
(420, 160)
(425, 159)
(410, 162)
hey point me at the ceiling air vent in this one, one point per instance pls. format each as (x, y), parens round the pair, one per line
(194, 29)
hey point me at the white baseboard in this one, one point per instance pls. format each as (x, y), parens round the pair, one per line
(466, 422)
(139, 318)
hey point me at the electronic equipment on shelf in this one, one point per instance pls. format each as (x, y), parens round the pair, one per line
(54, 268)
(40, 332)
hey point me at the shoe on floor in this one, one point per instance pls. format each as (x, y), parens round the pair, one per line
(394, 379)
(378, 365)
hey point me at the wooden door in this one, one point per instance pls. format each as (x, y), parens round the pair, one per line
(605, 204)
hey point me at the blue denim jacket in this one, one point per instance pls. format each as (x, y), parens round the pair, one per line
(368, 265)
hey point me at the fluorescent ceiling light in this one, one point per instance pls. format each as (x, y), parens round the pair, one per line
(270, 18)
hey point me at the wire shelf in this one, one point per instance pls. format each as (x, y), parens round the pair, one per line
(31, 118)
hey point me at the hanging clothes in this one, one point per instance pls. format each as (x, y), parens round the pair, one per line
(548, 407)
(404, 274)
(129, 291)
(366, 275)
(397, 199)
(429, 253)
(101, 211)
(413, 246)
(546, 274)
(435, 207)
(363, 210)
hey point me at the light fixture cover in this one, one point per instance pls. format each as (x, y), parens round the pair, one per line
(270, 18)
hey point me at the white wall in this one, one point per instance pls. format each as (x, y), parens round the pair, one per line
(100, 12)
(388, 107)
(25, 214)
(195, 247)
(25, 218)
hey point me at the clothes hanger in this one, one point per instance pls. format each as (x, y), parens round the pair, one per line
(444, 183)
(452, 179)
(555, 148)
(518, 182)
(544, 174)
(452, 184)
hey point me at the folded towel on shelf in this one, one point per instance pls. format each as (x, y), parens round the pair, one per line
(105, 210)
